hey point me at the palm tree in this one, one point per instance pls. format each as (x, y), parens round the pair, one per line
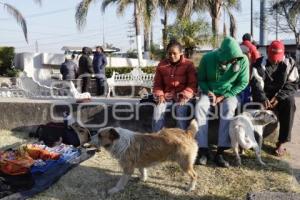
(166, 6)
(139, 7)
(289, 11)
(18, 17)
(148, 14)
(190, 34)
(214, 8)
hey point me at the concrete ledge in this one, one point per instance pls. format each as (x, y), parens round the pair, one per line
(26, 115)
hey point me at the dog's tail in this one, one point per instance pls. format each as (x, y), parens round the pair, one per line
(192, 129)
(241, 137)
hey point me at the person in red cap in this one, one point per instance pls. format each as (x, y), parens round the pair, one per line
(274, 86)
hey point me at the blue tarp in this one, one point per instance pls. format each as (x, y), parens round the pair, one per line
(45, 178)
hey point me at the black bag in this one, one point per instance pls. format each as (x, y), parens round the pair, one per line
(53, 133)
(50, 133)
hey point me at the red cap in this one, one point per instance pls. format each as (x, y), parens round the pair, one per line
(276, 51)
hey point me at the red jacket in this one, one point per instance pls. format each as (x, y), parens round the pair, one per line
(253, 51)
(173, 81)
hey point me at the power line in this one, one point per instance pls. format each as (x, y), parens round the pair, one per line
(43, 14)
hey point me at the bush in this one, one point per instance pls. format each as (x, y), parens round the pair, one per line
(157, 53)
(12, 72)
(7, 55)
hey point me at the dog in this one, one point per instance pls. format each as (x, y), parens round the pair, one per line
(243, 127)
(135, 150)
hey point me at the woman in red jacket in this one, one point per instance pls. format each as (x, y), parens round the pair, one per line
(174, 84)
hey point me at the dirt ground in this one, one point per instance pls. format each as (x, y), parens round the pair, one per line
(91, 178)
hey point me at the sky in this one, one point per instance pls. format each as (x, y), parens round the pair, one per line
(52, 26)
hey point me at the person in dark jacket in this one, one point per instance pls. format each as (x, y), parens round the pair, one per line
(69, 68)
(85, 69)
(99, 63)
(274, 86)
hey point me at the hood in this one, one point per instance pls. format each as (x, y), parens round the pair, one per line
(86, 50)
(229, 50)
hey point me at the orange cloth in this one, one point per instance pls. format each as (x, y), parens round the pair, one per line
(13, 163)
(36, 152)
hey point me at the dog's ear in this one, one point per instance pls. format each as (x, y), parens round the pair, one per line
(113, 134)
(259, 114)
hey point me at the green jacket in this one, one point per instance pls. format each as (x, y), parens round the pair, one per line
(227, 82)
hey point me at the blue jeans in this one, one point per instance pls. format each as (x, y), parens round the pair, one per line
(180, 112)
(245, 95)
(227, 111)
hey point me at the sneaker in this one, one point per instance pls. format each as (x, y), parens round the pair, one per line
(219, 160)
(202, 156)
(202, 160)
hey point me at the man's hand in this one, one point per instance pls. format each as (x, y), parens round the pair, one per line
(183, 101)
(219, 99)
(267, 104)
(161, 99)
(273, 102)
(212, 98)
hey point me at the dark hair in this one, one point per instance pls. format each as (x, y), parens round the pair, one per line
(174, 43)
(85, 50)
(99, 47)
(247, 36)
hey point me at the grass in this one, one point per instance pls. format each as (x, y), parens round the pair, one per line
(90, 179)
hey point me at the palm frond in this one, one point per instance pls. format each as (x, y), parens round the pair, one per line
(122, 5)
(236, 4)
(105, 3)
(149, 11)
(18, 17)
(81, 13)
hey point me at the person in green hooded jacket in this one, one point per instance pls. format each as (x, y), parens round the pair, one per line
(222, 75)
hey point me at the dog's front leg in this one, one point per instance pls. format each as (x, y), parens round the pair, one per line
(121, 184)
(236, 152)
(260, 141)
(257, 150)
(144, 174)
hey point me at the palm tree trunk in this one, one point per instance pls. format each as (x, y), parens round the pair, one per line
(297, 36)
(215, 30)
(146, 41)
(137, 21)
(165, 30)
(215, 11)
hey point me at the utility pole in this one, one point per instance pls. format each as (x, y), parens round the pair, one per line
(277, 21)
(36, 46)
(103, 30)
(263, 36)
(131, 34)
(251, 23)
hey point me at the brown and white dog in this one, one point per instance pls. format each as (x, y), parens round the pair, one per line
(135, 150)
(242, 129)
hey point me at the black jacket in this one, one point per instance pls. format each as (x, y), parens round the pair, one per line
(69, 70)
(99, 63)
(279, 80)
(85, 65)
